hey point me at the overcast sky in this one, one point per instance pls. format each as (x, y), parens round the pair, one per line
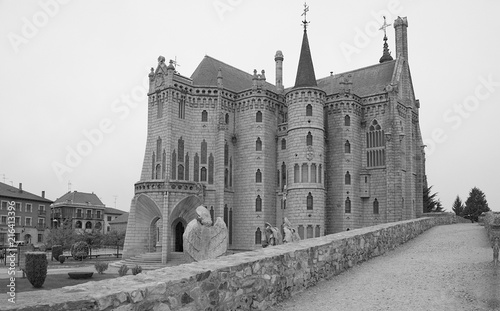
(73, 79)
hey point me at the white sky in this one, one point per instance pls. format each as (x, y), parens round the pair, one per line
(68, 67)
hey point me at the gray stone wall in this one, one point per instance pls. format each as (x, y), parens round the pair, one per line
(243, 281)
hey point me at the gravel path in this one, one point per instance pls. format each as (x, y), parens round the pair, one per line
(446, 268)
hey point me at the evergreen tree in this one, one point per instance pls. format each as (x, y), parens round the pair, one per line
(475, 204)
(458, 206)
(431, 202)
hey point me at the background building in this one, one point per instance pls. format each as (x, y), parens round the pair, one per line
(111, 214)
(330, 154)
(32, 215)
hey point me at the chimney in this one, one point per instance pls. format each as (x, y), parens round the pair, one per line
(43, 194)
(21, 187)
(401, 25)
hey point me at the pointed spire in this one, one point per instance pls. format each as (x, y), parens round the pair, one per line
(386, 56)
(305, 72)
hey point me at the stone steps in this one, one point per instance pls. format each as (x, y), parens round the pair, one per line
(151, 261)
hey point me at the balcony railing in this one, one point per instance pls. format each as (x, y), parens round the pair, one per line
(42, 213)
(79, 215)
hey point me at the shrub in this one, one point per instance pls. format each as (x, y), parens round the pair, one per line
(100, 267)
(62, 259)
(136, 270)
(123, 270)
(80, 250)
(36, 268)
(56, 251)
(42, 247)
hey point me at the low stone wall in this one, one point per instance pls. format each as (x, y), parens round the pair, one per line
(492, 224)
(243, 281)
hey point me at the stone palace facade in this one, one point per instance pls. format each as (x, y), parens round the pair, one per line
(330, 154)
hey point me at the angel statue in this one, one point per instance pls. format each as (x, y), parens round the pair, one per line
(290, 234)
(272, 236)
(203, 241)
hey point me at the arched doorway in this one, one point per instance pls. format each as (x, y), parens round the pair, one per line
(179, 232)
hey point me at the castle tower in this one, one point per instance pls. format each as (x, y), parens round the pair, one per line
(305, 203)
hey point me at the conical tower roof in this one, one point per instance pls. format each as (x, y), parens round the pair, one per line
(305, 71)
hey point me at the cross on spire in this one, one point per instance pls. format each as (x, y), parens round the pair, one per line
(384, 26)
(306, 9)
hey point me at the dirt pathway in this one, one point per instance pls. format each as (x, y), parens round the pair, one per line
(446, 268)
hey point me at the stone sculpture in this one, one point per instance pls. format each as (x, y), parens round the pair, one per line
(272, 236)
(203, 241)
(290, 234)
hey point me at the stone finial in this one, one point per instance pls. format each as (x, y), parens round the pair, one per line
(278, 56)
(161, 59)
(171, 65)
(263, 75)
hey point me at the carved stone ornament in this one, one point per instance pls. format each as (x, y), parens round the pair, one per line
(309, 153)
(159, 79)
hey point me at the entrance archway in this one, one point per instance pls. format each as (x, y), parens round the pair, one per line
(179, 231)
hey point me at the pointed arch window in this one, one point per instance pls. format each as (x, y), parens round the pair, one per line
(347, 178)
(174, 165)
(258, 144)
(347, 147)
(258, 176)
(310, 232)
(180, 148)
(258, 116)
(313, 173)
(203, 174)
(309, 201)
(320, 173)
(258, 204)
(211, 169)
(186, 164)
(258, 236)
(196, 173)
(347, 120)
(230, 172)
(180, 172)
(204, 116)
(227, 118)
(309, 110)
(158, 171)
(301, 231)
(375, 206)
(296, 173)
(212, 214)
(309, 139)
(226, 154)
(283, 144)
(347, 206)
(317, 233)
(375, 145)
(164, 164)
(305, 172)
(226, 178)
(203, 152)
(283, 176)
(158, 149)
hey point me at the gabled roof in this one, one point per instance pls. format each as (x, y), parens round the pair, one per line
(120, 219)
(234, 79)
(79, 198)
(366, 81)
(305, 71)
(111, 210)
(16, 193)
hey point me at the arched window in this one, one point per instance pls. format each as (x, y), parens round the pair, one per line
(309, 110)
(88, 225)
(347, 205)
(212, 214)
(375, 206)
(375, 144)
(203, 174)
(78, 224)
(258, 204)
(283, 176)
(186, 163)
(227, 118)
(258, 116)
(158, 171)
(203, 152)
(180, 148)
(258, 236)
(283, 144)
(258, 144)
(309, 201)
(347, 178)
(309, 139)
(305, 172)
(347, 147)
(211, 169)
(258, 176)
(320, 172)
(174, 165)
(230, 172)
(296, 173)
(301, 231)
(313, 173)
(196, 169)
(347, 120)
(204, 116)
(317, 233)
(226, 154)
(226, 178)
(180, 172)
(158, 149)
(310, 232)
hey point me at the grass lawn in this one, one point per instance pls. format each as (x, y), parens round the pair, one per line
(53, 281)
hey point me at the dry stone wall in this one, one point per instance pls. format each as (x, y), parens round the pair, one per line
(243, 281)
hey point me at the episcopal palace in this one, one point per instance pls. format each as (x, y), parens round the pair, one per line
(331, 154)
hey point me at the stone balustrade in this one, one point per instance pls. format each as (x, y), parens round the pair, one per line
(242, 281)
